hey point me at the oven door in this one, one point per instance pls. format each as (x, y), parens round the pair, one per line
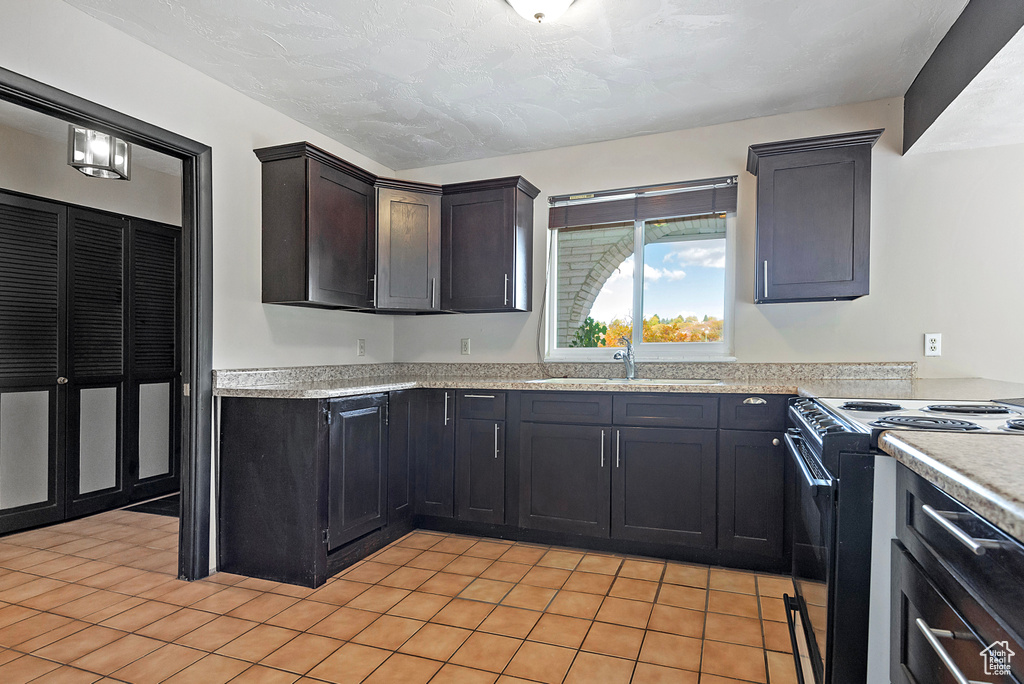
(814, 526)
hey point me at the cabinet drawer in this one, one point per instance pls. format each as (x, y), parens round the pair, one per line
(928, 624)
(646, 410)
(567, 407)
(753, 412)
(481, 404)
(993, 575)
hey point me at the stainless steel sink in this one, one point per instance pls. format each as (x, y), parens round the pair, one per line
(622, 381)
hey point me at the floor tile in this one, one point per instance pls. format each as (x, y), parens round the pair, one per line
(683, 597)
(140, 616)
(642, 570)
(489, 652)
(302, 654)
(486, 549)
(638, 590)
(456, 674)
(527, 555)
(625, 612)
(117, 654)
(772, 609)
(511, 622)
(648, 673)
(437, 642)
(213, 669)
(491, 591)
(376, 599)
(776, 637)
(159, 665)
(551, 578)
(468, 565)
(781, 668)
(728, 580)
(350, 664)
(734, 629)
(302, 615)
(67, 675)
(774, 585)
(405, 669)
(419, 605)
(177, 624)
(263, 608)
(588, 583)
(575, 604)
(541, 662)
(25, 669)
(216, 633)
(733, 660)
(732, 604)
(257, 643)
(560, 630)
(344, 623)
(407, 578)
(446, 584)
(388, 632)
(505, 571)
(589, 668)
(73, 647)
(671, 650)
(462, 613)
(603, 565)
(681, 621)
(259, 674)
(339, 592)
(431, 560)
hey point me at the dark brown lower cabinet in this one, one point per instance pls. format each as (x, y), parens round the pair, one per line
(480, 471)
(751, 468)
(564, 483)
(356, 468)
(663, 486)
(435, 454)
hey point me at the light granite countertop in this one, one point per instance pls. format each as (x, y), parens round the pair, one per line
(983, 472)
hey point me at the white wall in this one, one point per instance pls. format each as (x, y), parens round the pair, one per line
(38, 166)
(52, 42)
(947, 248)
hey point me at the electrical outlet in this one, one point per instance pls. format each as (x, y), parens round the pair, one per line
(360, 347)
(933, 344)
(465, 346)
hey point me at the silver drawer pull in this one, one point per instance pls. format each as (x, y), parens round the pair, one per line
(478, 396)
(495, 440)
(977, 546)
(932, 636)
(755, 400)
(446, 408)
(602, 448)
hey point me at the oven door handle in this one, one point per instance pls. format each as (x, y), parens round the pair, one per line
(792, 607)
(813, 483)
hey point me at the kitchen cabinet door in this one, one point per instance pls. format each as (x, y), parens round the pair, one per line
(565, 478)
(408, 248)
(435, 455)
(319, 228)
(663, 486)
(357, 468)
(813, 217)
(480, 471)
(406, 415)
(487, 245)
(751, 469)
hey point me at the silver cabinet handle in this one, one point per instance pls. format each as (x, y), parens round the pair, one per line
(62, 380)
(373, 288)
(602, 448)
(495, 440)
(506, 289)
(433, 293)
(478, 396)
(932, 636)
(766, 279)
(618, 445)
(775, 442)
(446, 408)
(758, 401)
(977, 546)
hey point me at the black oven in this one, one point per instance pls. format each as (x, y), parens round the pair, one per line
(832, 480)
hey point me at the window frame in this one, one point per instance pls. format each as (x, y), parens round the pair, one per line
(645, 351)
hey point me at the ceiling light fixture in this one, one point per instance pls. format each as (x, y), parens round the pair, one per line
(98, 154)
(540, 11)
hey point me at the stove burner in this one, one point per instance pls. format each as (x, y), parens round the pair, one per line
(1015, 425)
(926, 423)
(970, 409)
(878, 406)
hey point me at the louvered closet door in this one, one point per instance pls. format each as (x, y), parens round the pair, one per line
(31, 361)
(97, 307)
(155, 387)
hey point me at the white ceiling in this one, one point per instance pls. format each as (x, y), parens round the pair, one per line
(44, 126)
(987, 112)
(416, 83)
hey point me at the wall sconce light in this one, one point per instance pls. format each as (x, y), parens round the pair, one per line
(98, 154)
(540, 11)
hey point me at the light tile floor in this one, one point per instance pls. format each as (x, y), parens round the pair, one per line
(96, 600)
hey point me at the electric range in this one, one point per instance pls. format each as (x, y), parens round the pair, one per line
(843, 515)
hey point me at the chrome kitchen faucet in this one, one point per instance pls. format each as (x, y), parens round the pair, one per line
(627, 358)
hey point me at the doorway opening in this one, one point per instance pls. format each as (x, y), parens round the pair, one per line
(190, 385)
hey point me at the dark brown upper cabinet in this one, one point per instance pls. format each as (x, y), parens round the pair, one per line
(813, 217)
(408, 271)
(487, 245)
(319, 229)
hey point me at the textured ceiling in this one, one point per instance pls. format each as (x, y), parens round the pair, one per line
(987, 112)
(416, 83)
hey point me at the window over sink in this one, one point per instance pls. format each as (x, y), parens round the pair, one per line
(678, 280)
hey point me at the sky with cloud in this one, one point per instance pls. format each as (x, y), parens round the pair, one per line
(680, 278)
